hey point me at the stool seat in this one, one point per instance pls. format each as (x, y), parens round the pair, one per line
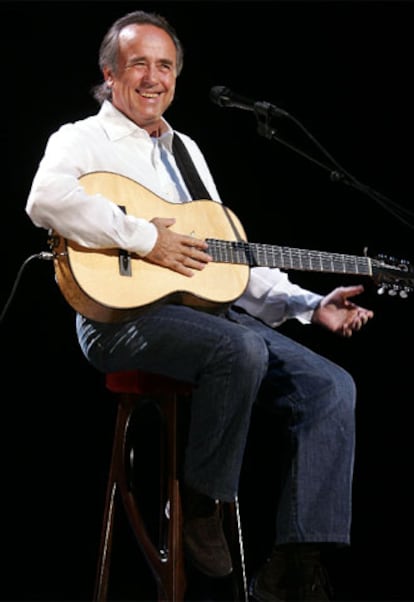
(165, 556)
(138, 382)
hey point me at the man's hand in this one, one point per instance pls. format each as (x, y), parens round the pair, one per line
(178, 252)
(340, 315)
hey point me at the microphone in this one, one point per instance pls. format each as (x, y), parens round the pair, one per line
(224, 97)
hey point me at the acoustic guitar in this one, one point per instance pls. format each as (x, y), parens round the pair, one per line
(112, 285)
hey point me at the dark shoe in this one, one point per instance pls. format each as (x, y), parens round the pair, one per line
(204, 539)
(292, 573)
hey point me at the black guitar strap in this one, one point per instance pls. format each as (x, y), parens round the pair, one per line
(188, 170)
(192, 179)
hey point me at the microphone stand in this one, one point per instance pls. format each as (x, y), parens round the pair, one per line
(265, 112)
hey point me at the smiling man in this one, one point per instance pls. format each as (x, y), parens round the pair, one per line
(235, 358)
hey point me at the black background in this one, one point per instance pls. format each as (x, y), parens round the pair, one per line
(344, 70)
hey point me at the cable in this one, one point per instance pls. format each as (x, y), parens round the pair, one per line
(45, 255)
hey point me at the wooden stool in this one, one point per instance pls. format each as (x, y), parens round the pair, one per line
(165, 557)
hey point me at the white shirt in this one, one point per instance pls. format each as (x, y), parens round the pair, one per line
(109, 141)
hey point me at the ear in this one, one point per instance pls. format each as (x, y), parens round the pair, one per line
(107, 73)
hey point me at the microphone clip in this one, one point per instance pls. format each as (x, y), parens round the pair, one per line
(266, 109)
(265, 112)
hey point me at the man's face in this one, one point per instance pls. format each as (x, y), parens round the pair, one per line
(144, 85)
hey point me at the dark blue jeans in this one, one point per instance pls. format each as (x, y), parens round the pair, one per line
(235, 361)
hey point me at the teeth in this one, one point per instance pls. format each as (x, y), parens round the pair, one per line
(148, 95)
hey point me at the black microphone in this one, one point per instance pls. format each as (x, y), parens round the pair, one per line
(224, 97)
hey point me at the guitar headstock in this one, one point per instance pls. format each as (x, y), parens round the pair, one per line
(394, 276)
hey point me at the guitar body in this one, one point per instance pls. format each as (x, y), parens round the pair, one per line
(109, 285)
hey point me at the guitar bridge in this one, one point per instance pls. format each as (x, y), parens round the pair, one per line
(124, 263)
(124, 258)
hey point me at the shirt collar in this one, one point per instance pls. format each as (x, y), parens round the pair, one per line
(117, 126)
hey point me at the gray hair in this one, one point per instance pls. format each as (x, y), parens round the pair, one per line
(108, 51)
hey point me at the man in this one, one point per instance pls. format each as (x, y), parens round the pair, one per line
(234, 356)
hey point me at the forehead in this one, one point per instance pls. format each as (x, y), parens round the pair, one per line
(147, 39)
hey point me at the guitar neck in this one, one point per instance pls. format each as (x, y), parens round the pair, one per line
(273, 256)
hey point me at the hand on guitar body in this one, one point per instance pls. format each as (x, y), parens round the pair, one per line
(340, 315)
(175, 251)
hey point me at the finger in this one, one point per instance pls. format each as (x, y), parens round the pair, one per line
(196, 243)
(352, 291)
(355, 324)
(195, 264)
(197, 255)
(180, 268)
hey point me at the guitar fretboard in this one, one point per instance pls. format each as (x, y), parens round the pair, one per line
(264, 255)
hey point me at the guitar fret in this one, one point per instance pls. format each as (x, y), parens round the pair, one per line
(255, 254)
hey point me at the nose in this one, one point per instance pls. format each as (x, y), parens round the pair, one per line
(150, 73)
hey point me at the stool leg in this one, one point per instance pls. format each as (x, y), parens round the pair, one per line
(174, 581)
(240, 589)
(166, 559)
(104, 558)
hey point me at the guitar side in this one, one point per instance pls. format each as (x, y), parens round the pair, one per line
(94, 282)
